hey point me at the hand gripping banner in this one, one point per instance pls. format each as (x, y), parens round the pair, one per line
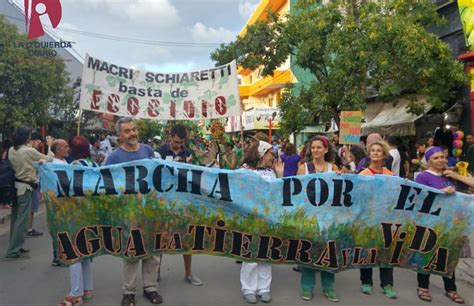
(325, 221)
(204, 94)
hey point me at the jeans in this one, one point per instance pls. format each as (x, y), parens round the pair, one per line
(308, 279)
(80, 275)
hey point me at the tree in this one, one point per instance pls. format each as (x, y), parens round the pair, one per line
(64, 113)
(29, 85)
(351, 49)
(149, 128)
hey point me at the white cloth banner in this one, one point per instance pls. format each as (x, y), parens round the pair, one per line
(196, 95)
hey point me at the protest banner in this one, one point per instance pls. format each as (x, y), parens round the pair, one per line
(325, 221)
(350, 129)
(466, 11)
(205, 94)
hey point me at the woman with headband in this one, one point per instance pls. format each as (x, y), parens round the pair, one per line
(433, 177)
(256, 278)
(319, 158)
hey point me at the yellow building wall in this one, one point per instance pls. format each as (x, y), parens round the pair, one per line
(257, 91)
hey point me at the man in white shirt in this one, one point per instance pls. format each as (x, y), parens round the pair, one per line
(60, 148)
(105, 145)
(393, 143)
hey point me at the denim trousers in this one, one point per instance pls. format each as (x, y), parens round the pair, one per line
(80, 275)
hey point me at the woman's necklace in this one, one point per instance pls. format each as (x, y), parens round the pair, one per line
(320, 169)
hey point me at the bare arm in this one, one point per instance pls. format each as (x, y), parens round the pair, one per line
(301, 170)
(233, 162)
(465, 179)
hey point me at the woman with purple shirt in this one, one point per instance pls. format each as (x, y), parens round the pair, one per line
(290, 160)
(433, 177)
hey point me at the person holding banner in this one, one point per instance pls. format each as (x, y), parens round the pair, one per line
(176, 151)
(80, 273)
(377, 154)
(318, 159)
(434, 177)
(256, 278)
(130, 150)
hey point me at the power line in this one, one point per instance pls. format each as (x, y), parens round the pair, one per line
(128, 39)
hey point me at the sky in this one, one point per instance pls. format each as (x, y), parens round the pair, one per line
(204, 22)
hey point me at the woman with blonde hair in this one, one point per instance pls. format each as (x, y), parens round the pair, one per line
(378, 152)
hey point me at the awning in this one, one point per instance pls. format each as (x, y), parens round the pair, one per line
(392, 118)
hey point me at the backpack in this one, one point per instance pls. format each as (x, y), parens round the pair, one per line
(7, 175)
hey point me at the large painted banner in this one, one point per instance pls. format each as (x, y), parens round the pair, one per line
(195, 95)
(325, 221)
(466, 10)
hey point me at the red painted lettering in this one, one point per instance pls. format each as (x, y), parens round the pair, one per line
(132, 106)
(220, 105)
(152, 108)
(113, 103)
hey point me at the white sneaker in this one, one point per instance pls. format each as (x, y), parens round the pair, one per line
(193, 280)
(250, 298)
(265, 297)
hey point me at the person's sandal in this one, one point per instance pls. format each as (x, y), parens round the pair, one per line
(71, 301)
(424, 294)
(87, 295)
(455, 297)
(153, 296)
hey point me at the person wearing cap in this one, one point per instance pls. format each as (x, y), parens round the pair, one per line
(434, 177)
(259, 136)
(256, 278)
(319, 158)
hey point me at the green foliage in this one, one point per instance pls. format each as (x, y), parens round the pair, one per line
(149, 128)
(64, 112)
(350, 47)
(28, 88)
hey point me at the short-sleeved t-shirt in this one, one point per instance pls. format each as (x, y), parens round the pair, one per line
(167, 154)
(122, 156)
(434, 180)
(291, 164)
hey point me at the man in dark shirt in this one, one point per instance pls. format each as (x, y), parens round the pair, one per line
(131, 150)
(176, 151)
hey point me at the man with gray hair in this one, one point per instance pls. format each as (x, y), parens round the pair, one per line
(129, 150)
(60, 149)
